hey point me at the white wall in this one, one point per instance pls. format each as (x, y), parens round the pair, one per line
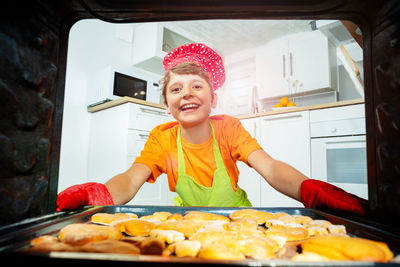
(92, 46)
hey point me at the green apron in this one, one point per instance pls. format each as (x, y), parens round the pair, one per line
(220, 194)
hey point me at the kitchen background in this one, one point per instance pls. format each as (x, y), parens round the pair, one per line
(264, 61)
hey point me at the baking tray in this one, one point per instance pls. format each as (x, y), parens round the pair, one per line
(15, 238)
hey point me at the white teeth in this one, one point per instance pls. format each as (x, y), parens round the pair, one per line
(184, 107)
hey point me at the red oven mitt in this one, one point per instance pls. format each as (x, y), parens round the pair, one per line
(95, 194)
(321, 195)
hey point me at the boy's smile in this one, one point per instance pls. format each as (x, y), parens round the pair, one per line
(189, 99)
(189, 107)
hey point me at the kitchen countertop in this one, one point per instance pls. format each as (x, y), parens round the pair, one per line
(123, 100)
(311, 107)
(127, 99)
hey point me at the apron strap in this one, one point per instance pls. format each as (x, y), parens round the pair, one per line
(181, 159)
(217, 153)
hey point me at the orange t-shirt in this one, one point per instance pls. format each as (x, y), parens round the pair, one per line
(160, 151)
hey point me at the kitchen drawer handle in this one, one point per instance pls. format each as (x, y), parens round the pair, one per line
(144, 136)
(284, 117)
(150, 111)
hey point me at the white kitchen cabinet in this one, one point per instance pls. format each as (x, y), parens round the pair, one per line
(249, 179)
(271, 70)
(285, 137)
(307, 59)
(117, 137)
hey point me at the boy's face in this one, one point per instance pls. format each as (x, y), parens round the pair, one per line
(189, 99)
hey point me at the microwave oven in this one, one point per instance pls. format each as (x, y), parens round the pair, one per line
(114, 82)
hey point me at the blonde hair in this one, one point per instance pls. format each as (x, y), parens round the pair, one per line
(182, 69)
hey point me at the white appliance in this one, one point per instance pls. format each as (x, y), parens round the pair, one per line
(113, 82)
(338, 152)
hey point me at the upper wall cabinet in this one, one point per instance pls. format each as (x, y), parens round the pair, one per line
(296, 65)
(152, 41)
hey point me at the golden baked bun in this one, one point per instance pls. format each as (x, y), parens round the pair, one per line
(186, 248)
(274, 222)
(244, 227)
(261, 217)
(309, 256)
(289, 233)
(148, 245)
(286, 219)
(383, 246)
(220, 252)
(339, 247)
(160, 215)
(43, 238)
(49, 243)
(257, 247)
(317, 230)
(135, 227)
(214, 226)
(80, 233)
(187, 227)
(108, 218)
(241, 225)
(175, 217)
(336, 229)
(168, 236)
(204, 216)
(226, 239)
(320, 223)
(110, 246)
(279, 214)
(301, 219)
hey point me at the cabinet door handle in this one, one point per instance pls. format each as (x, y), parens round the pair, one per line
(144, 136)
(284, 65)
(291, 63)
(150, 111)
(294, 116)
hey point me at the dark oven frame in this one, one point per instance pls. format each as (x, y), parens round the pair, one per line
(34, 43)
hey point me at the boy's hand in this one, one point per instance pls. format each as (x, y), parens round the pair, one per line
(83, 194)
(321, 195)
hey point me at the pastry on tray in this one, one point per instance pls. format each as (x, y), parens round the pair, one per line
(261, 217)
(108, 218)
(82, 233)
(135, 227)
(339, 247)
(243, 234)
(204, 216)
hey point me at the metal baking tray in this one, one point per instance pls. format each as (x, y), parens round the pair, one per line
(15, 238)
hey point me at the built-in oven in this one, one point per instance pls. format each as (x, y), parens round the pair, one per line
(338, 148)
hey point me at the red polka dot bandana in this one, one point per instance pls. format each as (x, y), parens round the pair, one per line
(201, 54)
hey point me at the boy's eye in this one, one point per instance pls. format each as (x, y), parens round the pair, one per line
(197, 86)
(175, 90)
